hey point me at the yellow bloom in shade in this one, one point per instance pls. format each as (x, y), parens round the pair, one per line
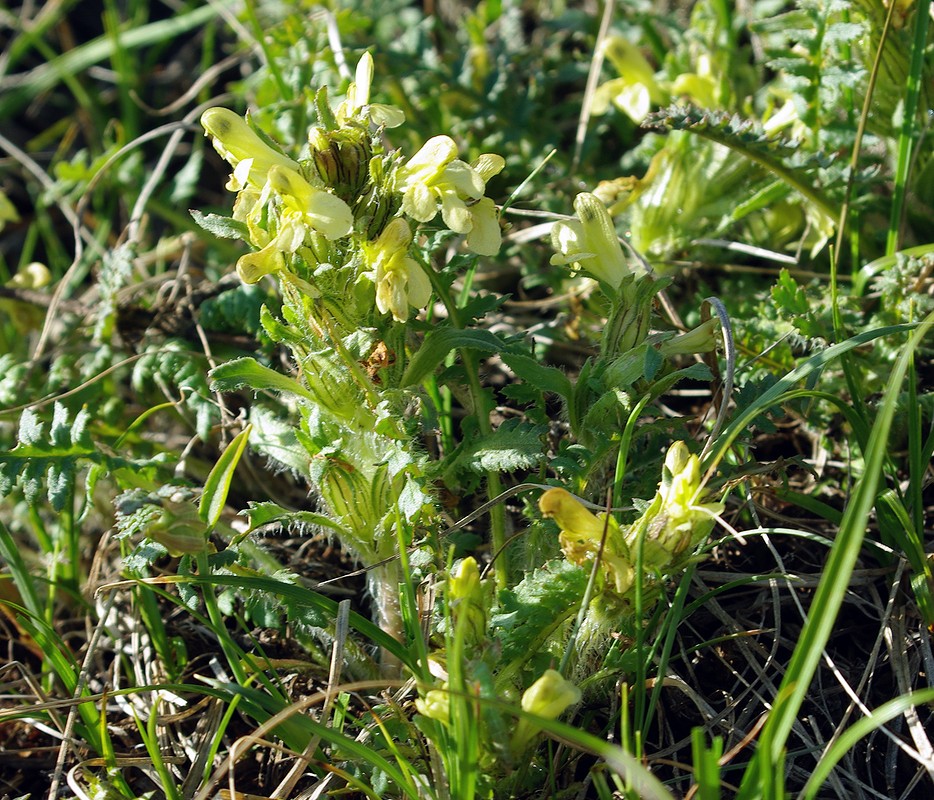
(590, 242)
(549, 697)
(253, 266)
(466, 596)
(581, 534)
(636, 89)
(400, 281)
(565, 509)
(241, 147)
(686, 519)
(303, 209)
(436, 704)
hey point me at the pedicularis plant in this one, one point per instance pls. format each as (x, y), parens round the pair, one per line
(374, 303)
(709, 133)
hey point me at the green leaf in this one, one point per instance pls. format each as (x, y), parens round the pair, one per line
(53, 459)
(221, 227)
(747, 138)
(217, 486)
(513, 446)
(548, 379)
(789, 296)
(274, 436)
(260, 514)
(437, 345)
(535, 609)
(248, 372)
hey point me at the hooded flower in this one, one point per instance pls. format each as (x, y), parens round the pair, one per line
(590, 242)
(400, 281)
(636, 89)
(686, 520)
(302, 211)
(311, 207)
(675, 521)
(241, 147)
(434, 175)
(582, 533)
(466, 596)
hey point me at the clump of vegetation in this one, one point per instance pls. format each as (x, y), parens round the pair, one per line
(537, 413)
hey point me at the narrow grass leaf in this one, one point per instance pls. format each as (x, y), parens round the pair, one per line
(883, 714)
(20, 574)
(833, 586)
(48, 74)
(775, 394)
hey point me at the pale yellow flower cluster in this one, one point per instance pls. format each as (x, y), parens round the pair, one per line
(676, 520)
(320, 209)
(638, 89)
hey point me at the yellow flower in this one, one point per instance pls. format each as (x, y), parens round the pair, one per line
(301, 210)
(357, 100)
(686, 519)
(400, 281)
(241, 147)
(581, 534)
(314, 208)
(636, 90)
(561, 506)
(466, 597)
(436, 705)
(549, 697)
(590, 242)
(435, 176)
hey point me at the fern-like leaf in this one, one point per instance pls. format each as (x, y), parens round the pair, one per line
(782, 157)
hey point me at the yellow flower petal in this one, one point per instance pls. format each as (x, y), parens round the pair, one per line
(485, 236)
(236, 141)
(488, 165)
(321, 210)
(571, 516)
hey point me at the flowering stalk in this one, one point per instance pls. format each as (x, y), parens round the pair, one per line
(335, 226)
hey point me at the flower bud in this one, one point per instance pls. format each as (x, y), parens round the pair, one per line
(548, 697)
(342, 159)
(466, 597)
(435, 705)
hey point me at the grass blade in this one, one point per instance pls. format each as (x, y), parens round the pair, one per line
(832, 588)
